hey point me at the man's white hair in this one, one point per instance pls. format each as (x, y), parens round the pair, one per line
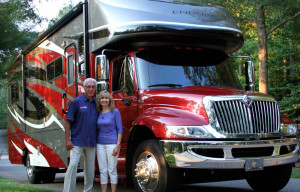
(89, 80)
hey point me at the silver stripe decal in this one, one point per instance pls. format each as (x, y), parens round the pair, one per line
(52, 119)
(52, 46)
(17, 148)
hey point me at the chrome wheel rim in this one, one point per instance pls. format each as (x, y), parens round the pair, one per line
(29, 168)
(147, 172)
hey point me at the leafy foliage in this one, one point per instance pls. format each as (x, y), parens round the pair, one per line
(61, 13)
(17, 18)
(283, 47)
(284, 73)
(3, 108)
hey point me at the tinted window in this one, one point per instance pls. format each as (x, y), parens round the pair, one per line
(35, 107)
(118, 75)
(81, 69)
(14, 92)
(80, 49)
(58, 68)
(37, 73)
(70, 70)
(50, 72)
(129, 80)
(54, 69)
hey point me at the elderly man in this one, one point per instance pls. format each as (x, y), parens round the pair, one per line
(81, 125)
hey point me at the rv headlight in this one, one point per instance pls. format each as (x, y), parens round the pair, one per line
(291, 129)
(189, 131)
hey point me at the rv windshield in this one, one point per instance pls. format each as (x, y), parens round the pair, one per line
(178, 67)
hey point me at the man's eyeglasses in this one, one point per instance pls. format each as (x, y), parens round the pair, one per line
(90, 86)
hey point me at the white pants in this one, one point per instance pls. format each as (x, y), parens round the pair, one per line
(89, 168)
(107, 163)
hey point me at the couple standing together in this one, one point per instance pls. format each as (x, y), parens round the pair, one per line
(93, 122)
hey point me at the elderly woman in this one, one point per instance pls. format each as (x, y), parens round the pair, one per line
(108, 139)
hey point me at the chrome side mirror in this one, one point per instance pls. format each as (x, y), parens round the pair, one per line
(102, 85)
(102, 68)
(102, 73)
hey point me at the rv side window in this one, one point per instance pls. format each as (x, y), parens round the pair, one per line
(35, 106)
(118, 75)
(70, 70)
(81, 69)
(81, 49)
(14, 92)
(36, 73)
(81, 65)
(54, 69)
(128, 74)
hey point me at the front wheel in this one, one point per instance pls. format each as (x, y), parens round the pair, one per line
(271, 179)
(150, 170)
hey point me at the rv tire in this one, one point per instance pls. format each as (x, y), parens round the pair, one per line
(150, 171)
(33, 174)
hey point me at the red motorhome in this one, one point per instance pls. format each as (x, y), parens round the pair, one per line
(186, 116)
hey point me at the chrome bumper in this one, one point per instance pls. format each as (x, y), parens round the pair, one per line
(181, 153)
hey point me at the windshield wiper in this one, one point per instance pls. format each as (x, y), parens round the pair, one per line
(165, 85)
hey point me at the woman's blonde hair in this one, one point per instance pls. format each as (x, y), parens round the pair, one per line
(111, 101)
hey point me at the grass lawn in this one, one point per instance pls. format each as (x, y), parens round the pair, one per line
(7, 185)
(296, 173)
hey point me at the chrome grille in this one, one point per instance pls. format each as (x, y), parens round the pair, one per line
(234, 117)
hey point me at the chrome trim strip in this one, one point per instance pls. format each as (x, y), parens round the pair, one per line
(115, 25)
(180, 153)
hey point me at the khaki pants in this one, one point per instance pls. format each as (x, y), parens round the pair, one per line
(88, 154)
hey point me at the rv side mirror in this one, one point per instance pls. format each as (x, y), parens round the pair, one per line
(102, 73)
(102, 68)
(102, 85)
(250, 76)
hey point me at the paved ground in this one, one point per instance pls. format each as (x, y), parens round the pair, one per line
(18, 173)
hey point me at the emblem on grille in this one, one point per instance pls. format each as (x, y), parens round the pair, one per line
(247, 101)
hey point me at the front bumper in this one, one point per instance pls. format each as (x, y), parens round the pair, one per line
(229, 154)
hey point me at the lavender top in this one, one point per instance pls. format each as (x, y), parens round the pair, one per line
(110, 125)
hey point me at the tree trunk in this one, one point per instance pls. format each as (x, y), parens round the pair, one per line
(240, 69)
(262, 48)
(292, 71)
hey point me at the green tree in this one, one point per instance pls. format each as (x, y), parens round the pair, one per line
(284, 71)
(61, 13)
(17, 19)
(259, 19)
(271, 32)
(3, 108)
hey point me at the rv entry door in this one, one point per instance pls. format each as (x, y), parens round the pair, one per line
(71, 91)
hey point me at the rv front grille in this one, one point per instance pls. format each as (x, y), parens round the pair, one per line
(235, 117)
